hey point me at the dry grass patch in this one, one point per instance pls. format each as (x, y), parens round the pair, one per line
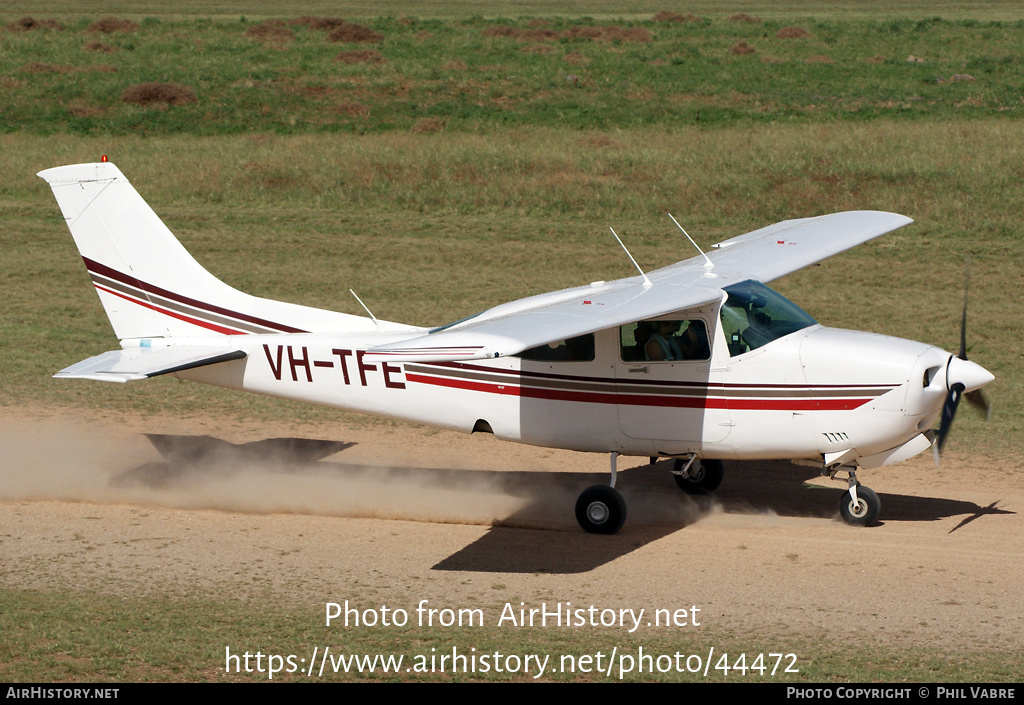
(536, 34)
(109, 25)
(792, 33)
(79, 108)
(599, 142)
(666, 16)
(100, 47)
(270, 32)
(538, 49)
(576, 59)
(27, 24)
(744, 17)
(427, 125)
(500, 31)
(741, 49)
(818, 59)
(593, 32)
(607, 33)
(454, 66)
(360, 56)
(355, 34)
(352, 109)
(39, 67)
(166, 94)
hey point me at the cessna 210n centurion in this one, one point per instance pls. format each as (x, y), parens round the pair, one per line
(698, 361)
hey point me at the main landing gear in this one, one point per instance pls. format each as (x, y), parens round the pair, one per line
(698, 475)
(601, 509)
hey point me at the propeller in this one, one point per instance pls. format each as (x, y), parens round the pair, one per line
(963, 379)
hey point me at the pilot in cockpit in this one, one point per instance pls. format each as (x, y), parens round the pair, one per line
(664, 344)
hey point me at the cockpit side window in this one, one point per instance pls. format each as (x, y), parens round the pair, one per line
(754, 316)
(664, 341)
(579, 349)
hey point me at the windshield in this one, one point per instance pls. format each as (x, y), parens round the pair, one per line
(754, 316)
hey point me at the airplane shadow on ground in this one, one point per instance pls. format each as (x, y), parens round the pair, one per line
(541, 535)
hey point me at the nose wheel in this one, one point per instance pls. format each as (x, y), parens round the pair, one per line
(860, 506)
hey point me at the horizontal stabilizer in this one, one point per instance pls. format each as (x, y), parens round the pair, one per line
(142, 363)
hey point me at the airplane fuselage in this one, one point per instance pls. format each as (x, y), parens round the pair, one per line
(807, 394)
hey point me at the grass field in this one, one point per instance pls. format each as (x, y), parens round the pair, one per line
(467, 167)
(460, 9)
(306, 75)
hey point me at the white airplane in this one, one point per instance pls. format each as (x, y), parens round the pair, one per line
(698, 361)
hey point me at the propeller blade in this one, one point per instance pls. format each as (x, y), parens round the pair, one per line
(961, 375)
(963, 319)
(963, 332)
(948, 412)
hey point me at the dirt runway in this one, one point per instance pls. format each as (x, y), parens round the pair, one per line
(405, 514)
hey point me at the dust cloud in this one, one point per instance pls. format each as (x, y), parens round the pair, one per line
(103, 464)
(63, 462)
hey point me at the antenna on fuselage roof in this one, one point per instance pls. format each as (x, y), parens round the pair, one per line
(647, 282)
(374, 318)
(708, 264)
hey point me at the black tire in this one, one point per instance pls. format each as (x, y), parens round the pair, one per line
(601, 510)
(865, 511)
(705, 478)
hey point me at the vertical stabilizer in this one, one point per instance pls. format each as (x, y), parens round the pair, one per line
(150, 286)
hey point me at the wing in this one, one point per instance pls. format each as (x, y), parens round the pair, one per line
(783, 248)
(764, 255)
(141, 363)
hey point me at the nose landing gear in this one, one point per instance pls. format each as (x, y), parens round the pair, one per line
(859, 506)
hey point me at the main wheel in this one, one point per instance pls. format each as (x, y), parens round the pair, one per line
(705, 476)
(864, 511)
(601, 510)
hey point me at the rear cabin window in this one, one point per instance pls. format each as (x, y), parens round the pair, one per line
(664, 341)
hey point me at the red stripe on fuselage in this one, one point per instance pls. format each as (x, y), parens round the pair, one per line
(690, 402)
